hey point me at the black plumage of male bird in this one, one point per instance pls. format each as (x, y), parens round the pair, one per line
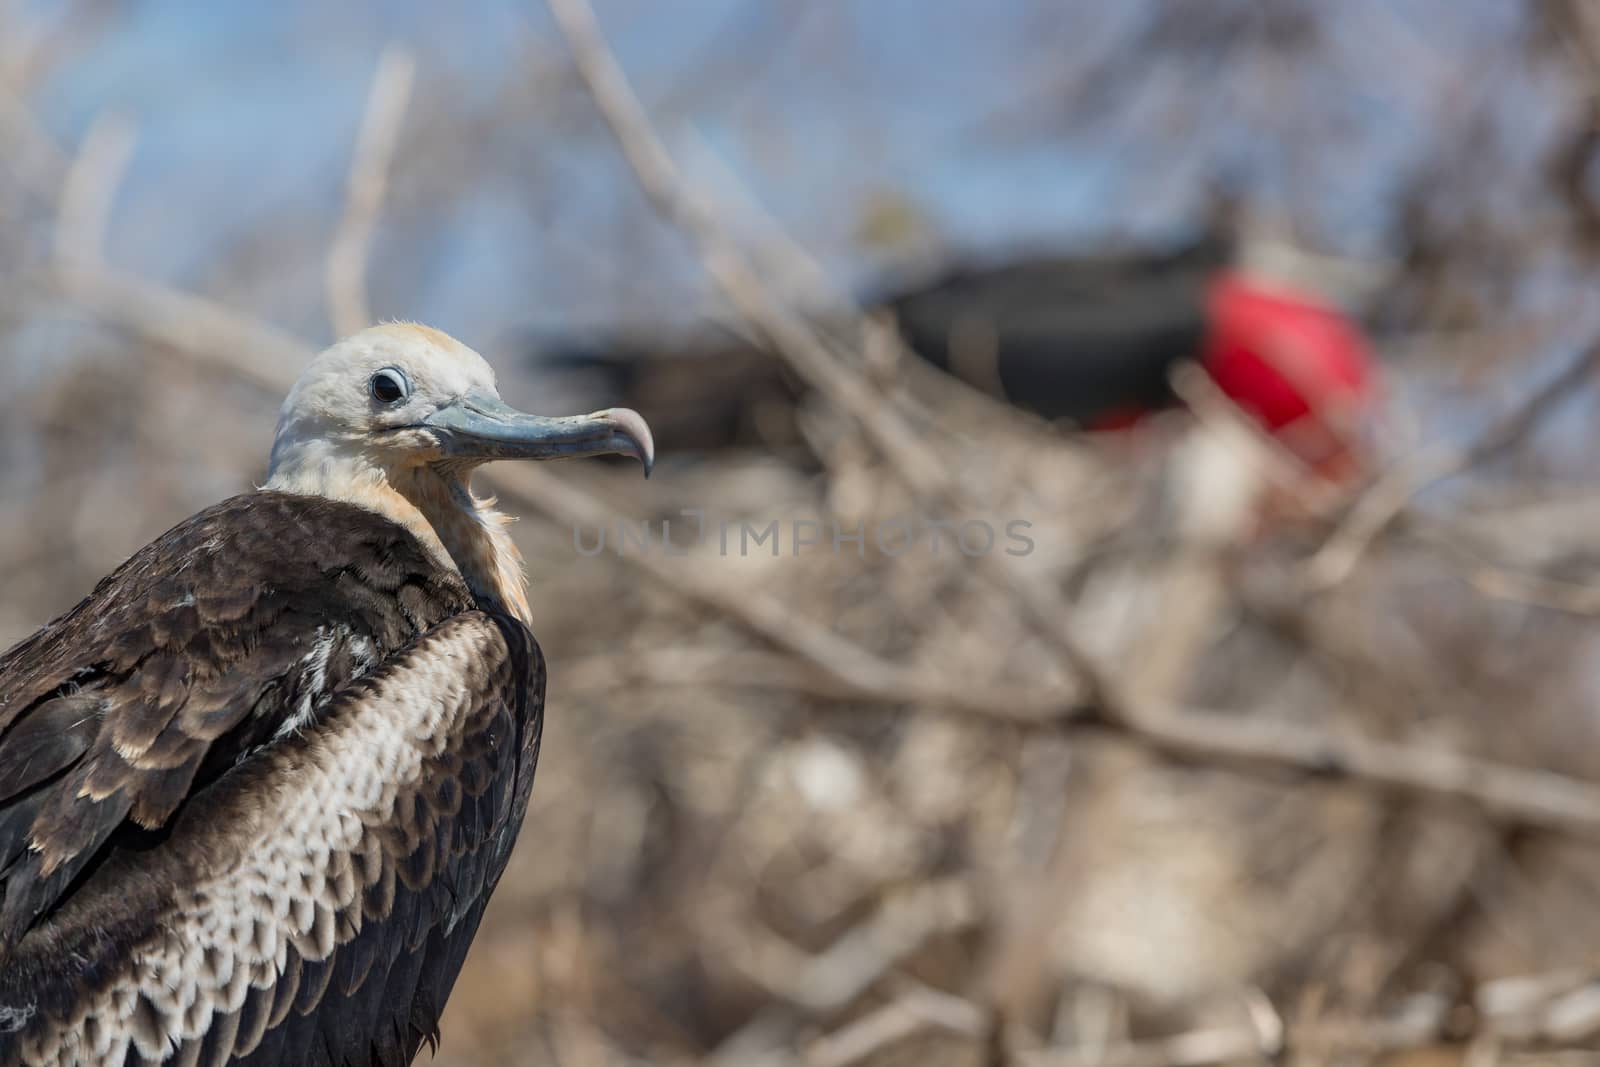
(257, 787)
(1089, 340)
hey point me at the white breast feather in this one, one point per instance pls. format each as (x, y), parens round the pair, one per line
(233, 931)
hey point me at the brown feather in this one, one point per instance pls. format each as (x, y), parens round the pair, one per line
(179, 645)
(295, 620)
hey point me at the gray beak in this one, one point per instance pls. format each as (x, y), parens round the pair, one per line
(481, 427)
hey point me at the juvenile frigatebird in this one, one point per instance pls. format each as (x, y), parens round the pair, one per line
(257, 787)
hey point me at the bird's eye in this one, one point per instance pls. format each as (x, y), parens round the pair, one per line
(389, 386)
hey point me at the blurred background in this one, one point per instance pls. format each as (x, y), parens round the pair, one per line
(1273, 320)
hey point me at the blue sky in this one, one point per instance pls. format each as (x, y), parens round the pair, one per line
(246, 112)
(246, 115)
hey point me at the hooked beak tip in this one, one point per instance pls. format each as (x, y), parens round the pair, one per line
(631, 427)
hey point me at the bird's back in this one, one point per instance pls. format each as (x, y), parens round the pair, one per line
(254, 793)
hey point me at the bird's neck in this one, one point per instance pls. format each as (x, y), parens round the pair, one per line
(462, 532)
(474, 536)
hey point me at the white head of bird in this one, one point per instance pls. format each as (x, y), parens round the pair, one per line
(395, 419)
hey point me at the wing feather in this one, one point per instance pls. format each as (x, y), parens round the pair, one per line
(48, 741)
(236, 625)
(395, 815)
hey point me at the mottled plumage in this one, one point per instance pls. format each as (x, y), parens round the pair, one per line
(257, 787)
(317, 617)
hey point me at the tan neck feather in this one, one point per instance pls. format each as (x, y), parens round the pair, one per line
(461, 531)
(475, 537)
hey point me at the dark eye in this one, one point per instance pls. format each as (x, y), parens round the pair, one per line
(389, 386)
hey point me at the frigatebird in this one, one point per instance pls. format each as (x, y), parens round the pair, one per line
(257, 787)
(1090, 341)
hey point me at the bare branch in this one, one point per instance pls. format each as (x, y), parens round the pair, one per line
(90, 188)
(810, 356)
(1392, 494)
(348, 309)
(789, 335)
(835, 978)
(835, 666)
(254, 351)
(1261, 1037)
(918, 1009)
(1374, 512)
(1212, 407)
(1509, 795)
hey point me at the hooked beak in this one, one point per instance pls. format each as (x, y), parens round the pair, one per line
(482, 427)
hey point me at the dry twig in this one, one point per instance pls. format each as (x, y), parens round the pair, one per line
(91, 184)
(1388, 499)
(909, 455)
(1517, 796)
(368, 182)
(918, 1009)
